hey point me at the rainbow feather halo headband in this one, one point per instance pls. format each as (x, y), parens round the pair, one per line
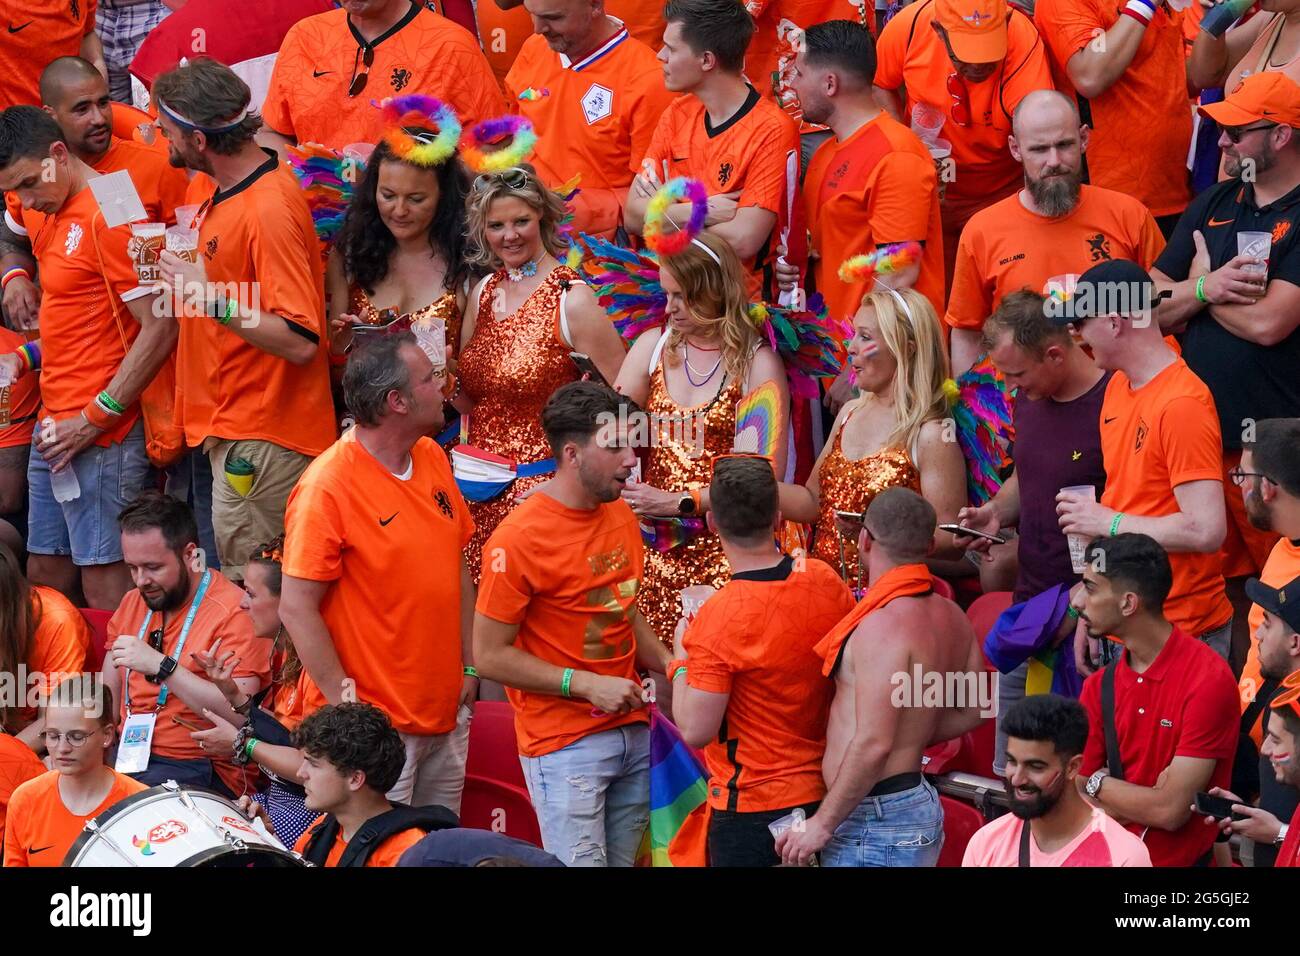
(885, 260)
(677, 190)
(423, 113)
(522, 141)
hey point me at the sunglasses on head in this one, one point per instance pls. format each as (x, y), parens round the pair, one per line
(366, 56)
(1235, 134)
(512, 178)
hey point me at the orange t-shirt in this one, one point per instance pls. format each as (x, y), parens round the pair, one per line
(596, 120)
(63, 637)
(352, 523)
(502, 33)
(569, 579)
(754, 640)
(911, 56)
(386, 854)
(424, 52)
(84, 334)
(1006, 248)
(1162, 435)
(19, 401)
(219, 617)
(17, 765)
(747, 153)
(1142, 125)
(876, 187)
(259, 241)
(40, 830)
(1281, 568)
(39, 32)
(778, 25)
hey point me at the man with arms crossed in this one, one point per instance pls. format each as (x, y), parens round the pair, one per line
(879, 810)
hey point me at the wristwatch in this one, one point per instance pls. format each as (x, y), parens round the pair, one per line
(165, 668)
(1093, 786)
(686, 504)
(1281, 834)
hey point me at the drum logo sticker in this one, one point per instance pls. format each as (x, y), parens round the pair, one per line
(167, 830)
(238, 824)
(142, 845)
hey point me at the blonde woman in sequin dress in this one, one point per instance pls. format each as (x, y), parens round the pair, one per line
(688, 377)
(401, 250)
(521, 323)
(894, 434)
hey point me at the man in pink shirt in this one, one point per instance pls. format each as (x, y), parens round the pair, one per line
(1050, 824)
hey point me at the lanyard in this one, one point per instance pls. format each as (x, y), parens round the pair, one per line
(180, 644)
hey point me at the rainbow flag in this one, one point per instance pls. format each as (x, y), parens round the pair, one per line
(678, 785)
(761, 423)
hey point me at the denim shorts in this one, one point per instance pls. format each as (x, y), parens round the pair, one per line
(86, 527)
(898, 829)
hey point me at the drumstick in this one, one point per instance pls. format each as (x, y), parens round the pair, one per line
(176, 719)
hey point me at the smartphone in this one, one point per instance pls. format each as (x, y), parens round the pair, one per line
(1218, 807)
(972, 533)
(185, 723)
(850, 517)
(587, 367)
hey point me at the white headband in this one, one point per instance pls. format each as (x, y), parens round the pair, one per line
(902, 303)
(712, 255)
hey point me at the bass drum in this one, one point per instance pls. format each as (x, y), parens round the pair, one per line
(172, 825)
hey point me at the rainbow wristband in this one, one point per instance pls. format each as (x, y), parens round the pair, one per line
(14, 273)
(1114, 523)
(565, 681)
(30, 353)
(1200, 291)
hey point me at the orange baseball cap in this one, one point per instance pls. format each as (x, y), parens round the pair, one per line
(1268, 96)
(977, 29)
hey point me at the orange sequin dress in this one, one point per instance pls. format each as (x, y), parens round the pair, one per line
(846, 484)
(675, 463)
(444, 307)
(509, 369)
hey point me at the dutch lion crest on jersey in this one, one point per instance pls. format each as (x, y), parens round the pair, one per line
(73, 240)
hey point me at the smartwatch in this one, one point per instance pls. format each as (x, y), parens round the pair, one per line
(686, 504)
(165, 669)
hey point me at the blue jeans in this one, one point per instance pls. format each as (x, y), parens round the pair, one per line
(592, 797)
(898, 829)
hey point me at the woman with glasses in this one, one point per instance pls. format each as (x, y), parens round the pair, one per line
(48, 813)
(42, 635)
(521, 324)
(891, 435)
(400, 257)
(273, 713)
(689, 376)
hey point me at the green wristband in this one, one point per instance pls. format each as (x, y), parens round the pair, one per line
(1072, 613)
(1200, 291)
(110, 403)
(248, 747)
(564, 683)
(1114, 523)
(470, 671)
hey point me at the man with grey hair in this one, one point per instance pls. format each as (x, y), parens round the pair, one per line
(376, 591)
(1052, 228)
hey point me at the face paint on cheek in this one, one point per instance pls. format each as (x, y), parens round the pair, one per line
(869, 350)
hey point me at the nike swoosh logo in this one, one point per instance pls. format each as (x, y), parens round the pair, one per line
(319, 73)
(383, 523)
(1219, 222)
(39, 849)
(1109, 420)
(14, 29)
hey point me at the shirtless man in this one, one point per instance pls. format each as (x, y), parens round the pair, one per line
(879, 810)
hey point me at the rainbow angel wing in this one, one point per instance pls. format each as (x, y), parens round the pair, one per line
(327, 179)
(807, 341)
(982, 410)
(626, 283)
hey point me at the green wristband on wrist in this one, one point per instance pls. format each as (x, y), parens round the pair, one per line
(470, 671)
(1072, 613)
(248, 747)
(1200, 291)
(565, 681)
(1114, 523)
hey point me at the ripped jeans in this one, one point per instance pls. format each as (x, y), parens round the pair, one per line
(897, 829)
(593, 797)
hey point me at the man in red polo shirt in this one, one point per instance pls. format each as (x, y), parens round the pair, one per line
(1174, 711)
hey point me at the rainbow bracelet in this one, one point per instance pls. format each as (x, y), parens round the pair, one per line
(30, 353)
(11, 274)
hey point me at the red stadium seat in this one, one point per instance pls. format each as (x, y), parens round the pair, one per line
(943, 588)
(493, 752)
(98, 621)
(983, 613)
(960, 821)
(492, 805)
